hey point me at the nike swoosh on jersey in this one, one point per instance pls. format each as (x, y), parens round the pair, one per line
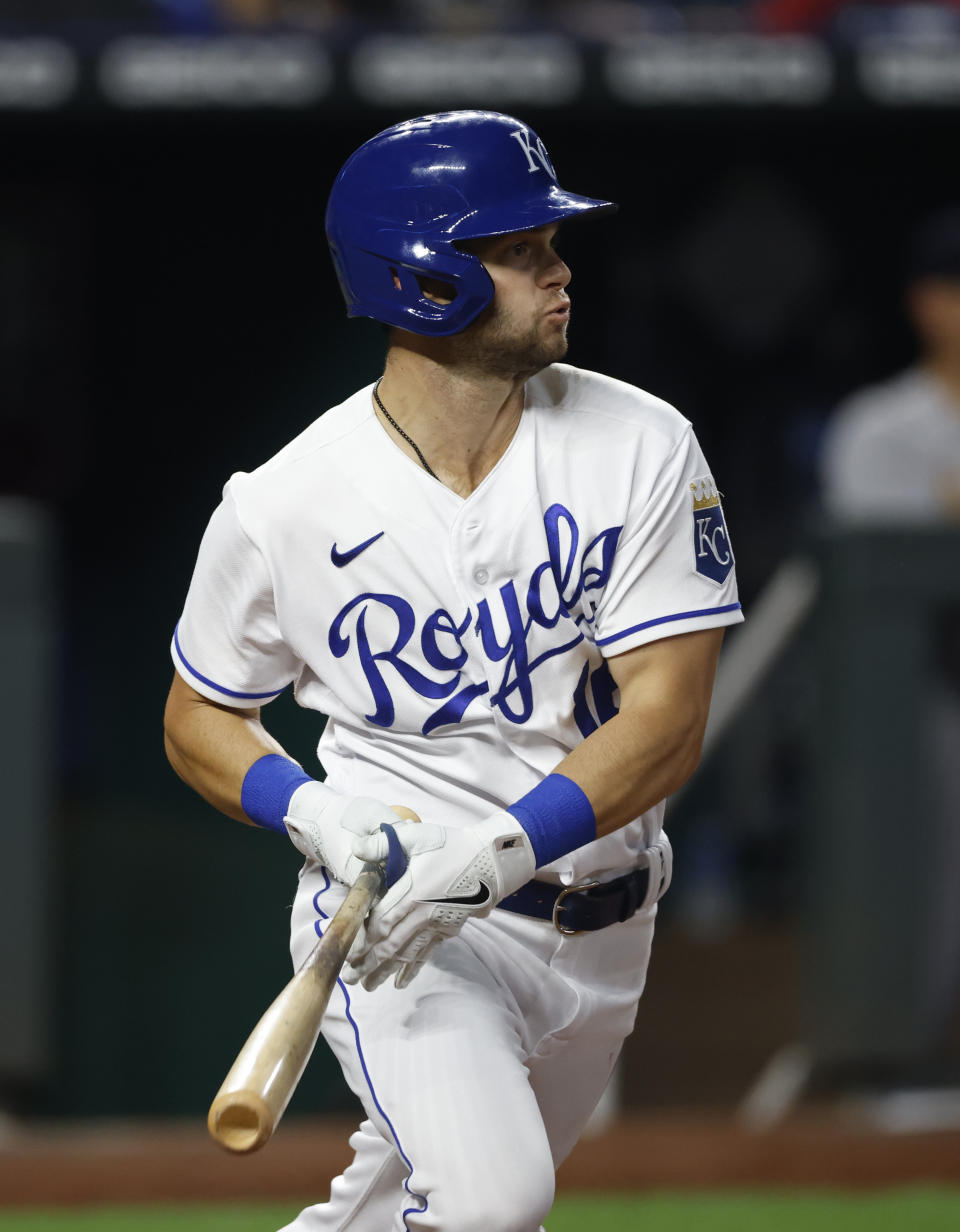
(344, 558)
(483, 895)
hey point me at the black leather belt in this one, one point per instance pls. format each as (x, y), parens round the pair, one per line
(583, 908)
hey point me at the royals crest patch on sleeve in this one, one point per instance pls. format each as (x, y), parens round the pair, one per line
(712, 553)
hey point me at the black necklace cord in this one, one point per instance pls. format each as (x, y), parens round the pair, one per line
(409, 439)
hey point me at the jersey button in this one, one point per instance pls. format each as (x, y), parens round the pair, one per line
(481, 576)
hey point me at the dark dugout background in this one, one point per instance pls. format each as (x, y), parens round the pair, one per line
(170, 315)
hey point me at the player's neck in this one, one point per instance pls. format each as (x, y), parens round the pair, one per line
(462, 421)
(945, 368)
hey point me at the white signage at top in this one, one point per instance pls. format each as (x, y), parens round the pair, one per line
(284, 71)
(745, 69)
(471, 70)
(909, 72)
(36, 74)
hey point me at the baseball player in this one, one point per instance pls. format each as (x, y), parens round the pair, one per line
(505, 581)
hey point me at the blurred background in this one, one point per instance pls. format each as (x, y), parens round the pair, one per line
(168, 314)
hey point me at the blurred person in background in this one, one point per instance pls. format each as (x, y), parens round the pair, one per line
(891, 459)
(892, 453)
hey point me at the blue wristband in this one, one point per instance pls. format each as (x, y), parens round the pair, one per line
(267, 788)
(557, 817)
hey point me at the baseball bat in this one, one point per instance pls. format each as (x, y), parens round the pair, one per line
(259, 1084)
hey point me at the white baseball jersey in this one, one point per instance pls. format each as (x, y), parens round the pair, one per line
(457, 645)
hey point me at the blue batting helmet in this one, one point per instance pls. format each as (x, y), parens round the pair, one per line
(404, 199)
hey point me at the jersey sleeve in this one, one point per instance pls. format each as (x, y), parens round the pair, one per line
(227, 644)
(673, 571)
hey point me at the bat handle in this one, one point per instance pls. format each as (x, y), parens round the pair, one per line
(343, 928)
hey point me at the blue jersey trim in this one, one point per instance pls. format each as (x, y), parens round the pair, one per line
(419, 1198)
(663, 620)
(212, 683)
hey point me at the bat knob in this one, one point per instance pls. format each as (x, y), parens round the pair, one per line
(240, 1121)
(404, 813)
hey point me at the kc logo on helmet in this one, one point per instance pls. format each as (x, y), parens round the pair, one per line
(713, 555)
(535, 151)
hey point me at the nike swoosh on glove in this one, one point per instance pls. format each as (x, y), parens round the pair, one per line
(438, 877)
(324, 825)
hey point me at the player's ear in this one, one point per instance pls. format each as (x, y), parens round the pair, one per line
(436, 290)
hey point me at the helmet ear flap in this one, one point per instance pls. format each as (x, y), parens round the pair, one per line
(396, 285)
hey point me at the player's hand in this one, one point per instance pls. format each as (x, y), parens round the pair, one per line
(438, 877)
(325, 825)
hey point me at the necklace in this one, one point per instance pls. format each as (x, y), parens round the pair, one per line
(393, 423)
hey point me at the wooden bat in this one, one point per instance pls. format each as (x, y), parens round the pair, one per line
(257, 1089)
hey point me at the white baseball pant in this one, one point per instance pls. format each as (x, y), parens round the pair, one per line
(478, 1078)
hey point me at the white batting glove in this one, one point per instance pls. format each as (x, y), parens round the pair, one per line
(324, 825)
(438, 877)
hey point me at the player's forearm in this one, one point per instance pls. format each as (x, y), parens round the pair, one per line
(634, 761)
(212, 747)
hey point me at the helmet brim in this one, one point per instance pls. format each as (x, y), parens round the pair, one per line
(539, 211)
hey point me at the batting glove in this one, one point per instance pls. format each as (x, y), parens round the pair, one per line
(324, 825)
(437, 877)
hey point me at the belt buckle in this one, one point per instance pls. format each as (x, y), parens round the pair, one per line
(573, 889)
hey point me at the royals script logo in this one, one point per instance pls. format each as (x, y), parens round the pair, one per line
(516, 631)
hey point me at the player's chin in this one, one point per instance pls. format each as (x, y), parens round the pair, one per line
(557, 347)
(540, 350)
(542, 356)
(557, 323)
